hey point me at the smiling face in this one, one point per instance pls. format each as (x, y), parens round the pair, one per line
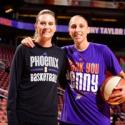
(78, 29)
(45, 27)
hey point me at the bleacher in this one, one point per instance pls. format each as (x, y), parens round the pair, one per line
(3, 113)
(6, 55)
(4, 80)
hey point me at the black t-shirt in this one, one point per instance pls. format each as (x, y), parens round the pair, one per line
(34, 77)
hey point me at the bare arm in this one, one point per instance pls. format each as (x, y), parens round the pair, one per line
(28, 41)
(119, 97)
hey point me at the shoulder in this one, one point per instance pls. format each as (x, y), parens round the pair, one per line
(59, 50)
(67, 47)
(21, 49)
(20, 46)
(100, 47)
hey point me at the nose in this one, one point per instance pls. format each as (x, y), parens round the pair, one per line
(46, 25)
(77, 28)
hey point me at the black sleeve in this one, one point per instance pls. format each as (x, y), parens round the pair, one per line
(15, 77)
(62, 76)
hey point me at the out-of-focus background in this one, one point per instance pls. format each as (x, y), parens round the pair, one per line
(106, 20)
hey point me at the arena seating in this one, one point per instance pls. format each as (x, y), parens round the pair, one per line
(3, 113)
(6, 55)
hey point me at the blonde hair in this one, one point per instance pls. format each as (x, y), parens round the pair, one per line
(45, 11)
